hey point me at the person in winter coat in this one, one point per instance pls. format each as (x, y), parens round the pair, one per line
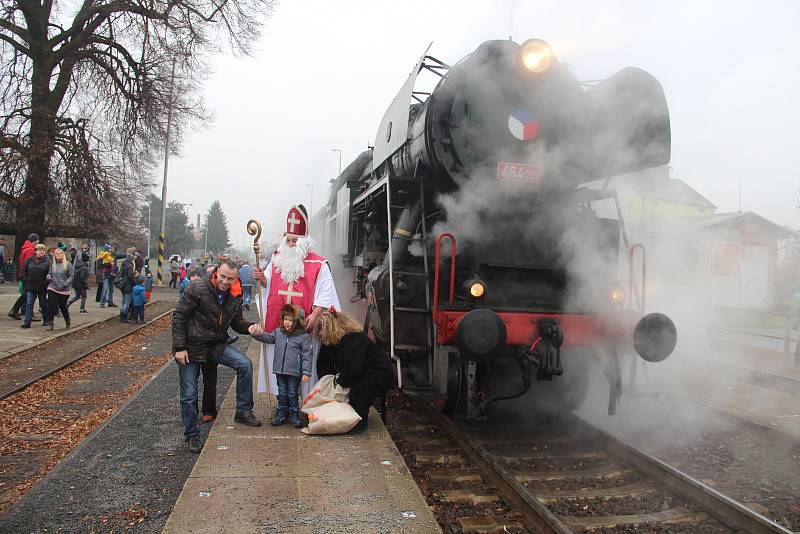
(60, 277)
(246, 277)
(291, 361)
(98, 278)
(27, 251)
(148, 283)
(209, 367)
(125, 281)
(357, 362)
(185, 281)
(174, 270)
(80, 282)
(139, 300)
(34, 279)
(200, 332)
(110, 272)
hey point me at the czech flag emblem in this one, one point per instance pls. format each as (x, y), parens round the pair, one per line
(523, 125)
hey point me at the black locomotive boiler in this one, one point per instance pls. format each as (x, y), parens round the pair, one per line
(484, 264)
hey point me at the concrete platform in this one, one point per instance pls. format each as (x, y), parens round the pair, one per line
(276, 479)
(14, 339)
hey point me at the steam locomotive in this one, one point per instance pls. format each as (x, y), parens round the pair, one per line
(484, 264)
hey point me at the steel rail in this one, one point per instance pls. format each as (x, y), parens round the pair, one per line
(536, 516)
(722, 507)
(81, 356)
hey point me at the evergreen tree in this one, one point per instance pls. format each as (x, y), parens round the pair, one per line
(216, 225)
(177, 238)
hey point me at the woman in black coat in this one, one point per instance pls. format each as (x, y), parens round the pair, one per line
(80, 282)
(357, 362)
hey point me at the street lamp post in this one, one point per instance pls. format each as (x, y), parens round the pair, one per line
(163, 225)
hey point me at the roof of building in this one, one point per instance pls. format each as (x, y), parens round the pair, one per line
(748, 220)
(669, 189)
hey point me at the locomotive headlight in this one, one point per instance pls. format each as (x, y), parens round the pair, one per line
(536, 56)
(617, 295)
(475, 288)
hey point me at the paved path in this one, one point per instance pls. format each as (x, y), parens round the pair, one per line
(14, 339)
(276, 479)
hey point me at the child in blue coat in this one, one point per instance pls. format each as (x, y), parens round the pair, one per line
(291, 363)
(139, 300)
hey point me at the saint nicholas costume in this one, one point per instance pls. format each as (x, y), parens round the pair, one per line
(314, 288)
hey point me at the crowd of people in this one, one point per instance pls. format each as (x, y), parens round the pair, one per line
(303, 334)
(58, 277)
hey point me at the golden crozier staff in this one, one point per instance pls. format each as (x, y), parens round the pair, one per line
(254, 229)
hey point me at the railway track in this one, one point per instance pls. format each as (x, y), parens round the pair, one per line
(569, 478)
(38, 375)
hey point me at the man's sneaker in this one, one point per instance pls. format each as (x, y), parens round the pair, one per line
(208, 418)
(83, 310)
(295, 420)
(25, 325)
(279, 418)
(247, 418)
(194, 445)
(102, 305)
(14, 315)
(112, 305)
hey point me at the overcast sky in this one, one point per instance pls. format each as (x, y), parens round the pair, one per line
(324, 73)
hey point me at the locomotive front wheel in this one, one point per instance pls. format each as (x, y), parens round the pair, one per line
(455, 386)
(569, 390)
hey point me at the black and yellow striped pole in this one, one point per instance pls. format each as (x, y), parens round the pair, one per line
(162, 230)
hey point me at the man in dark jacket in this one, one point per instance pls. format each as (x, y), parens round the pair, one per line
(34, 279)
(200, 332)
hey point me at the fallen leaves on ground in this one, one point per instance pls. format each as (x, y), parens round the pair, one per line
(47, 408)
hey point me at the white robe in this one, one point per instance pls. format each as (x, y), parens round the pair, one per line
(324, 296)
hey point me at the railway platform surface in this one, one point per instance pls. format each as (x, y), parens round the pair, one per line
(14, 339)
(277, 479)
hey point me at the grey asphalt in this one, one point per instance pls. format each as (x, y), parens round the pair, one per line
(136, 462)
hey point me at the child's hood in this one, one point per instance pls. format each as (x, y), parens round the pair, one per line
(298, 319)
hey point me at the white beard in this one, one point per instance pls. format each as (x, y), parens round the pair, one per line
(289, 260)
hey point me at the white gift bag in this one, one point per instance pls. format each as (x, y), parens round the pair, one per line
(327, 408)
(333, 417)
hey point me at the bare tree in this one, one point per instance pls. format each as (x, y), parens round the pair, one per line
(85, 88)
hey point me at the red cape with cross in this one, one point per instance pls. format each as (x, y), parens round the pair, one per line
(300, 293)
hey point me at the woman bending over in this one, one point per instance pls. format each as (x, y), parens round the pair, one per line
(357, 362)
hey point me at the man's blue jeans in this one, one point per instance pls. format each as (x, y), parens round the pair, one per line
(288, 387)
(127, 300)
(30, 296)
(107, 297)
(188, 376)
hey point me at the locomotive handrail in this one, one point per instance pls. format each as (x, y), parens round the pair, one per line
(436, 270)
(631, 255)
